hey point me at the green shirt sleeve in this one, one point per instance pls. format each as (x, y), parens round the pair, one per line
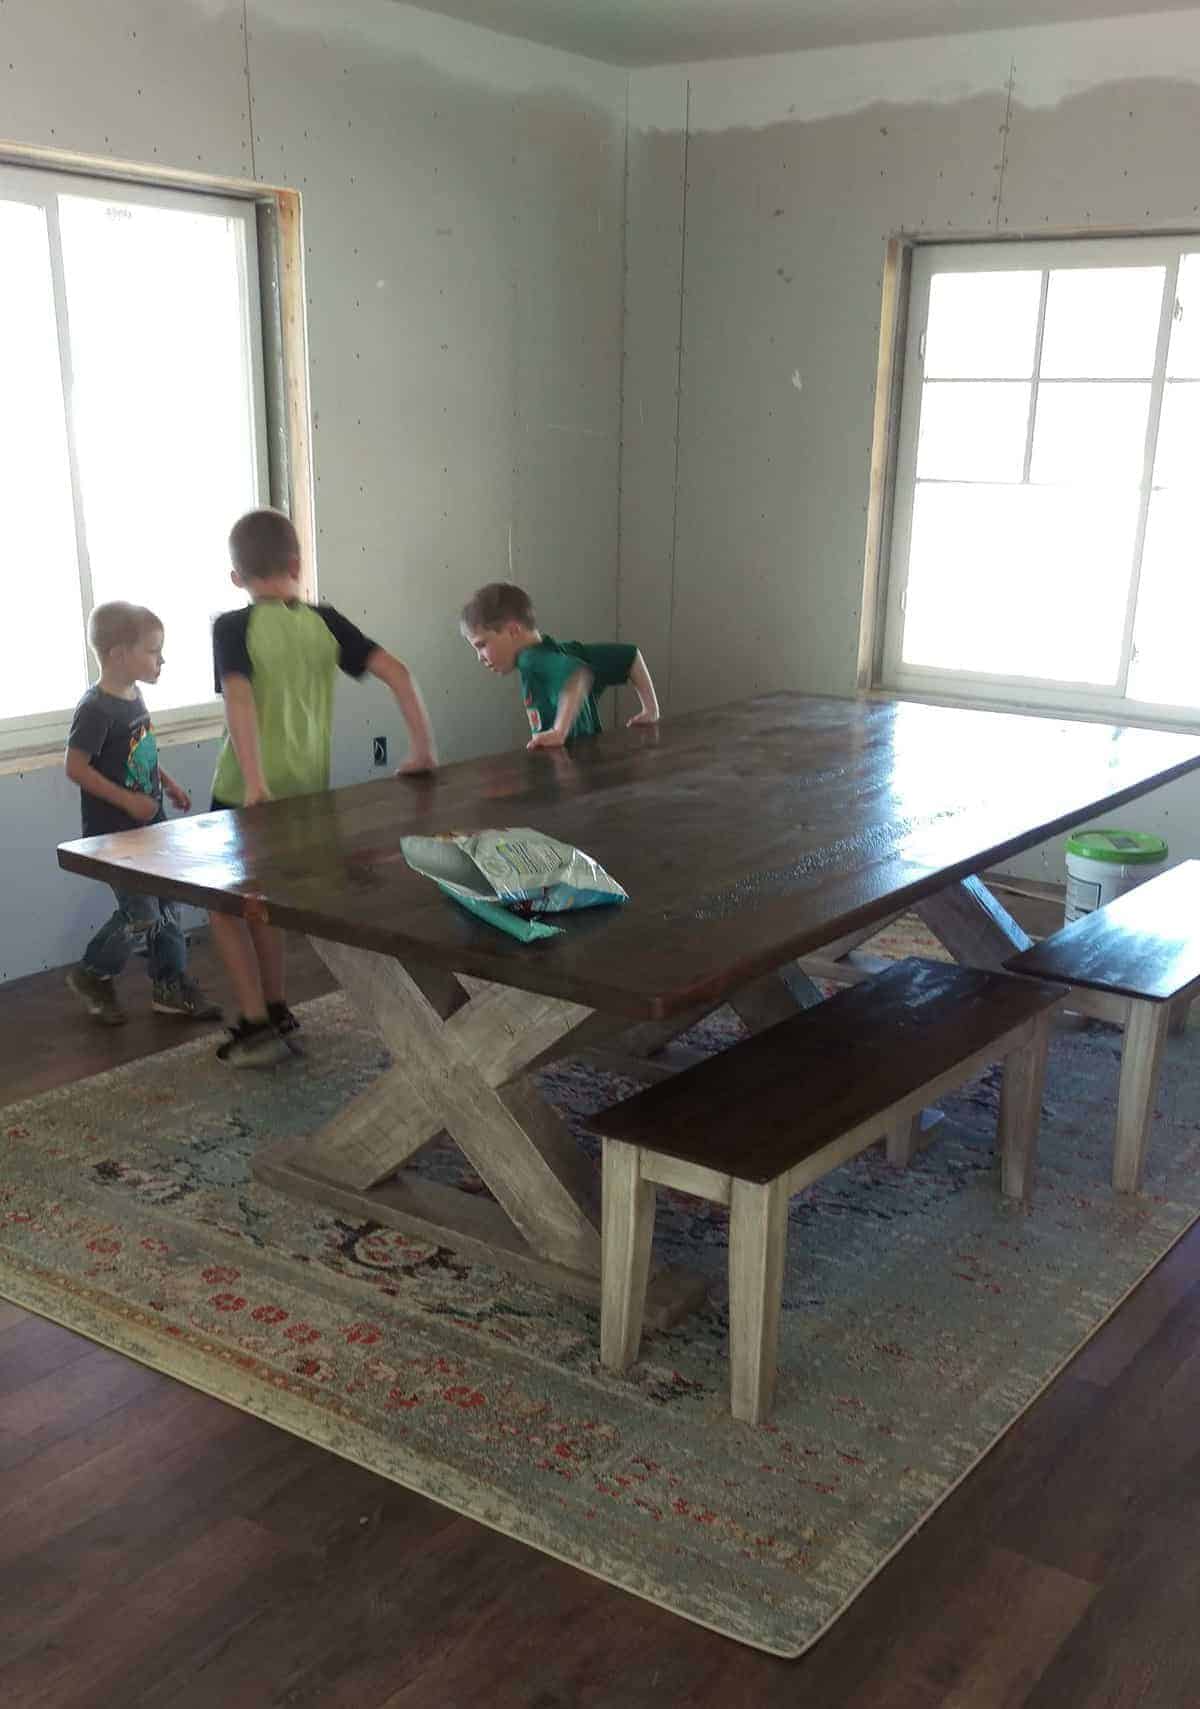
(610, 662)
(550, 671)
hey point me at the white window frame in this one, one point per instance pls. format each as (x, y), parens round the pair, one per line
(44, 733)
(972, 687)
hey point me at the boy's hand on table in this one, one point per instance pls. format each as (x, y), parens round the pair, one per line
(256, 794)
(417, 765)
(546, 739)
(641, 718)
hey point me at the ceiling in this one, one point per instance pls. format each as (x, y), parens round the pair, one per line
(664, 32)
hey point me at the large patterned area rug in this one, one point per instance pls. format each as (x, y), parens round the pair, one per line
(922, 1315)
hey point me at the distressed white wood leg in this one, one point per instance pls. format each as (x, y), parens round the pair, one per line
(532, 1164)
(973, 925)
(376, 1133)
(757, 1243)
(1021, 1110)
(626, 1238)
(461, 1050)
(842, 962)
(775, 997)
(1141, 1057)
(904, 1136)
(501, 1030)
(616, 1042)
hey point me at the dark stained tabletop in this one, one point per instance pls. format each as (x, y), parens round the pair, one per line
(745, 835)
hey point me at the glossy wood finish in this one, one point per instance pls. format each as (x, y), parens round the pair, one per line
(762, 1107)
(1144, 944)
(745, 837)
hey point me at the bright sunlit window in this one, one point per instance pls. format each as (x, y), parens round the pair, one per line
(132, 430)
(1046, 518)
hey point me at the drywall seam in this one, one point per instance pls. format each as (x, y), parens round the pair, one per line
(687, 132)
(1004, 131)
(249, 87)
(621, 376)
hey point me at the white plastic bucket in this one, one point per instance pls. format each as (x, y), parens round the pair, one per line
(1104, 864)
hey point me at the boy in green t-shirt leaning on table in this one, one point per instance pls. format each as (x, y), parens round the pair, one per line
(560, 679)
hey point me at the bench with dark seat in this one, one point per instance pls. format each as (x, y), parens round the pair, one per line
(757, 1123)
(1136, 961)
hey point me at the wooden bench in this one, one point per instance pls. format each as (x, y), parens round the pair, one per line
(1135, 961)
(752, 1126)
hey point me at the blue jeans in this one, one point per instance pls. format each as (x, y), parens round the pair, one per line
(149, 917)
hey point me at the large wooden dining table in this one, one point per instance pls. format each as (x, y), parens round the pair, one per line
(756, 841)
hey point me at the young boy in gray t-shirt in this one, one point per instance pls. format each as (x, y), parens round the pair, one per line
(113, 757)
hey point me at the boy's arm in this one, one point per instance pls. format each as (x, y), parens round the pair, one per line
(571, 697)
(422, 756)
(642, 684)
(176, 793)
(84, 775)
(242, 720)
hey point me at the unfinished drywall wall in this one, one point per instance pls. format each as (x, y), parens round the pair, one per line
(798, 169)
(462, 202)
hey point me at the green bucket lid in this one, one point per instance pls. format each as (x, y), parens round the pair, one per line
(1122, 848)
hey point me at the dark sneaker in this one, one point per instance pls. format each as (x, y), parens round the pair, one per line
(184, 997)
(98, 994)
(252, 1044)
(286, 1025)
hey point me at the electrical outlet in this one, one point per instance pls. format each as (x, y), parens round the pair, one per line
(378, 750)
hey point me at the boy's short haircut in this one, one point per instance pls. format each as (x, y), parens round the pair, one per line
(119, 624)
(498, 603)
(262, 544)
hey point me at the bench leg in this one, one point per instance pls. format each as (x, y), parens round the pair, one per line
(903, 1140)
(1021, 1110)
(1141, 1054)
(626, 1233)
(757, 1242)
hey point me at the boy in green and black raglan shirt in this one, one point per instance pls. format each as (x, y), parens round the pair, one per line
(560, 679)
(276, 661)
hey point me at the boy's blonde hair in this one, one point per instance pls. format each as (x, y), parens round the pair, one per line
(119, 624)
(262, 544)
(498, 603)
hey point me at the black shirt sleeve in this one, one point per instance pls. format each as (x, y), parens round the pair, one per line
(89, 727)
(231, 653)
(354, 648)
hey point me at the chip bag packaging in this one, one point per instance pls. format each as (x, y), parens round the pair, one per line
(510, 877)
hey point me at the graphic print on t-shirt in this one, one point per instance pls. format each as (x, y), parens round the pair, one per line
(532, 713)
(141, 766)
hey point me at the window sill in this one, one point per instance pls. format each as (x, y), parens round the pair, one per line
(44, 754)
(1138, 720)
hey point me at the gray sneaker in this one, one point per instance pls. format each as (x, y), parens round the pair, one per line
(184, 997)
(98, 994)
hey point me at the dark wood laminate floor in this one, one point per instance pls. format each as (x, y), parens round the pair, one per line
(159, 1550)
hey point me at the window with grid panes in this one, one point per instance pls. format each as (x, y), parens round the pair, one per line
(1045, 539)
